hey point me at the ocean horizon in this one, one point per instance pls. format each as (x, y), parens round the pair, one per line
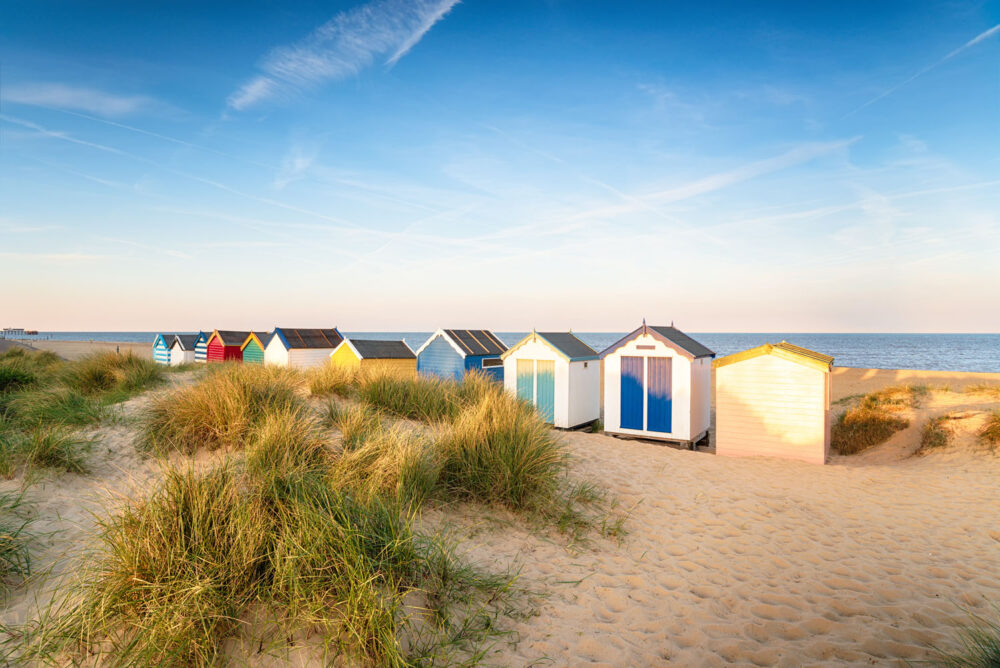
(943, 352)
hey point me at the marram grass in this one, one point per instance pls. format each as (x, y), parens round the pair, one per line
(990, 433)
(874, 419)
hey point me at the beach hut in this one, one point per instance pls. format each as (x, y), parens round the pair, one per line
(657, 384)
(225, 346)
(201, 347)
(393, 357)
(773, 400)
(557, 373)
(451, 353)
(161, 348)
(301, 348)
(182, 349)
(253, 347)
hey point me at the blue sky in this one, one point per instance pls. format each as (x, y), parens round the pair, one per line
(406, 165)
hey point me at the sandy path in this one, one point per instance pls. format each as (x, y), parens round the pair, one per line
(767, 562)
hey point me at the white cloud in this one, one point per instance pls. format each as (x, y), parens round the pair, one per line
(91, 100)
(344, 46)
(295, 165)
(53, 258)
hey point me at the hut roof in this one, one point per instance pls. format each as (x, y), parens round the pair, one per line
(166, 338)
(308, 338)
(186, 341)
(230, 337)
(672, 336)
(476, 341)
(785, 350)
(377, 349)
(262, 339)
(564, 343)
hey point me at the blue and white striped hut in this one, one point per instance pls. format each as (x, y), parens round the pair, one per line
(161, 348)
(201, 347)
(452, 353)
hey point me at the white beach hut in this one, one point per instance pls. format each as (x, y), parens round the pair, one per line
(773, 400)
(301, 348)
(657, 384)
(182, 349)
(559, 374)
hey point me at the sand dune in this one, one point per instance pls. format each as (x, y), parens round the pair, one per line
(869, 560)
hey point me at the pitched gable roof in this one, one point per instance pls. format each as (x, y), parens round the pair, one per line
(261, 337)
(308, 338)
(784, 350)
(231, 337)
(186, 341)
(564, 343)
(476, 341)
(378, 349)
(671, 336)
(166, 339)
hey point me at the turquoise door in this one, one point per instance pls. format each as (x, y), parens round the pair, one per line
(546, 391)
(526, 380)
(632, 392)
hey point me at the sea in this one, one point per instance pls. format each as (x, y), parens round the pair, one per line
(945, 352)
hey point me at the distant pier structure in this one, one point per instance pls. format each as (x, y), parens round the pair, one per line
(17, 333)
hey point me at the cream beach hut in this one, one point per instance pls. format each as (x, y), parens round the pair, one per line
(182, 349)
(773, 400)
(557, 373)
(301, 348)
(657, 384)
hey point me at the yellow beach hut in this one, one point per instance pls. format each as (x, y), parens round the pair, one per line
(773, 400)
(393, 357)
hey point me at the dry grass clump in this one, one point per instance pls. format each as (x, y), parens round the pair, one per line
(990, 433)
(329, 378)
(984, 389)
(180, 571)
(221, 411)
(499, 451)
(935, 435)
(980, 645)
(111, 373)
(425, 398)
(15, 560)
(874, 419)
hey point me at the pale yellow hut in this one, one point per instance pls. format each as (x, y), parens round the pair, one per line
(369, 355)
(773, 401)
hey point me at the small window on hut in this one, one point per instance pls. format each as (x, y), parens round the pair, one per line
(492, 361)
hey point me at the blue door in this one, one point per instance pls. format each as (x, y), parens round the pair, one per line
(546, 392)
(632, 377)
(658, 394)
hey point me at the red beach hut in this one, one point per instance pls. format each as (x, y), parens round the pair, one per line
(225, 346)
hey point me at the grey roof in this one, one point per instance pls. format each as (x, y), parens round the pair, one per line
(477, 341)
(232, 338)
(374, 349)
(187, 341)
(264, 337)
(310, 338)
(569, 345)
(168, 339)
(683, 341)
(670, 335)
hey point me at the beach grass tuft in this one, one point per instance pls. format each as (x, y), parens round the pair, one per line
(935, 435)
(980, 645)
(874, 419)
(56, 405)
(15, 559)
(990, 433)
(221, 411)
(332, 379)
(116, 376)
(987, 389)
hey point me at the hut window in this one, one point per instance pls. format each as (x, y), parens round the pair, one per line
(492, 361)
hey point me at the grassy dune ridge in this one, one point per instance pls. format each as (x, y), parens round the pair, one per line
(315, 534)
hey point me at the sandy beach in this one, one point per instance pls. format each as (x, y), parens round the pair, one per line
(74, 350)
(872, 559)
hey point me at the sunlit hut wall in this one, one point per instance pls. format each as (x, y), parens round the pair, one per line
(558, 374)
(301, 348)
(182, 349)
(253, 346)
(391, 357)
(452, 353)
(161, 348)
(657, 384)
(225, 346)
(774, 400)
